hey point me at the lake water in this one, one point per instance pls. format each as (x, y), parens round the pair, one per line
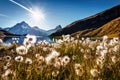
(20, 40)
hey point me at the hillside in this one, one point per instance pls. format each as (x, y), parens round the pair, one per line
(92, 22)
(112, 29)
(5, 34)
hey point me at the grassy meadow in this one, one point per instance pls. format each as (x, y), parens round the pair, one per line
(65, 59)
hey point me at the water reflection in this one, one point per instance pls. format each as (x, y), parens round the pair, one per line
(20, 39)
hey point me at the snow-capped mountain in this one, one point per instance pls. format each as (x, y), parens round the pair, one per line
(24, 28)
(49, 32)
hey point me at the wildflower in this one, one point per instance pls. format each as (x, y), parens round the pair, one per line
(28, 61)
(39, 68)
(105, 38)
(7, 72)
(78, 69)
(55, 73)
(74, 57)
(59, 41)
(115, 40)
(99, 48)
(116, 48)
(100, 61)
(27, 44)
(55, 53)
(51, 56)
(8, 64)
(94, 72)
(8, 58)
(103, 53)
(19, 58)
(37, 55)
(1, 41)
(114, 59)
(57, 64)
(31, 38)
(21, 50)
(82, 38)
(5, 67)
(44, 49)
(65, 60)
(79, 72)
(41, 59)
(77, 66)
(87, 56)
(82, 50)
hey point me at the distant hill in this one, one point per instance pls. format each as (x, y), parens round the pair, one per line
(5, 34)
(91, 23)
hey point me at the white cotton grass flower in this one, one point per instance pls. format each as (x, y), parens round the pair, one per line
(78, 69)
(5, 67)
(65, 61)
(19, 59)
(55, 73)
(100, 62)
(55, 53)
(77, 66)
(1, 41)
(103, 53)
(57, 64)
(31, 38)
(116, 48)
(114, 59)
(40, 59)
(37, 55)
(7, 58)
(79, 72)
(27, 44)
(7, 72)
(39, 68)
(105, 38)
(44, 49)
(94, 72)
(28, 61)
(8, 64)
(51, 56)
(22, 50)
(74, 57)
(59, 41)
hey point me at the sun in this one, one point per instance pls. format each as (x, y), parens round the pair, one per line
(37, 15)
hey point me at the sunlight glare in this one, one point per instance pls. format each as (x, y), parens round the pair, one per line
(37, 15)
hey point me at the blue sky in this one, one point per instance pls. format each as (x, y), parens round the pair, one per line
(56, 12)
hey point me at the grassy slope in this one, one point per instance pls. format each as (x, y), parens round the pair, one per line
(112, 29)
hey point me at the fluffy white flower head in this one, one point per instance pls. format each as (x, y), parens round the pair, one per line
(31, 38)
(22, 50)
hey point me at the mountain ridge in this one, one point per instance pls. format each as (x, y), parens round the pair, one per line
(24, 28)
(92, 22)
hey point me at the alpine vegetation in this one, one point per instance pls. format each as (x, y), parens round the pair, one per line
(67, 58)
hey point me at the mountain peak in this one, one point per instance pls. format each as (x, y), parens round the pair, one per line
(23, 22)
(58, 27)
(23, 25)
